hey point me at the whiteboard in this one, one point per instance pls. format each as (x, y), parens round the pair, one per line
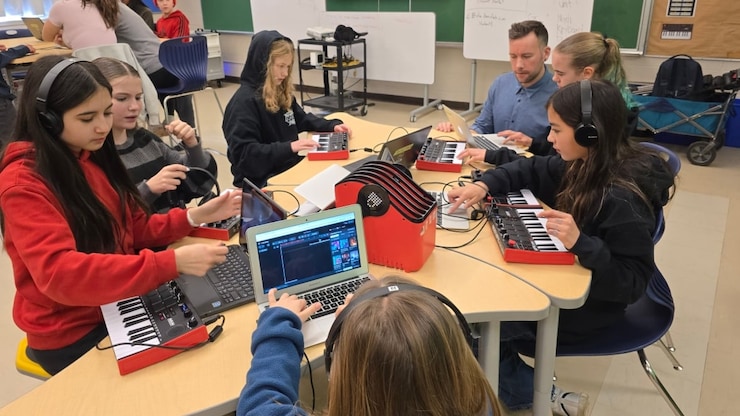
(487, 23)
(400, 45)
(289, 17)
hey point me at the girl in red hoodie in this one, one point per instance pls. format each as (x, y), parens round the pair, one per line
(74, 226)
(173, 23)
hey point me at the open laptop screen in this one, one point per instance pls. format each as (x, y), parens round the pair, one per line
(304, 253)
(308, 252)
(257, 208)
(405, 149)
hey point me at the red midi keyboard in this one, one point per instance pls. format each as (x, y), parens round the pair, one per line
(440, 155)
(521, 234)
(332, 146)
(161, 317)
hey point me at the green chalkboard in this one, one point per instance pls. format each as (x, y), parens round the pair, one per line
(618, 19)
(449, 27)
(234, 15)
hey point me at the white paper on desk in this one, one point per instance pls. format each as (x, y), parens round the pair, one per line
(319, 189)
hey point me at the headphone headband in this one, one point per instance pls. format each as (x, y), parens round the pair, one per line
(51, 76)
(382, 292)
(586, 102)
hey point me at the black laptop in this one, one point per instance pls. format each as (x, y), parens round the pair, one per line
(402, 150)
(229, 284)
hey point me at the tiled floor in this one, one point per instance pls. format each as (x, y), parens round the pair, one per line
(696, 254)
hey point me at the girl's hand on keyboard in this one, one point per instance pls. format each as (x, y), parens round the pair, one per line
(197, 259)
(293, 304)
(341, 307)
(475, 155)
(516, 137)
(343, 128)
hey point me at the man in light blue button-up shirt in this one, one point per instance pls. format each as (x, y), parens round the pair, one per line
(515, 106)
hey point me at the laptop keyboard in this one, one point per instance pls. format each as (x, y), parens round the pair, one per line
(232, 279)
(331, 297)
(484, 143)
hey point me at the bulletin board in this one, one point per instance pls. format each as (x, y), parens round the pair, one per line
(708, 28)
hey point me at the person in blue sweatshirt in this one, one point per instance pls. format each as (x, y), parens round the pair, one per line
(397, 353)
(262, 120)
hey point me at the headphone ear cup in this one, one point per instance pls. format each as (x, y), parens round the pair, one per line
(51, 122)
(586, 135)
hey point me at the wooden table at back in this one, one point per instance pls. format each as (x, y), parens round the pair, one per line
(42, 49)
(208, 380)
(566, 286)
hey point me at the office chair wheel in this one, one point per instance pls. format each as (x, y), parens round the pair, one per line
(363, 112)
(701, 153)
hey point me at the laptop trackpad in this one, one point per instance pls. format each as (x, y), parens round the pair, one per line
(201, 295)
(315, 331)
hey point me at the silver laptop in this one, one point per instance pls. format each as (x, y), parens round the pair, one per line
(483, 141)
(319, 255)
(35, 25)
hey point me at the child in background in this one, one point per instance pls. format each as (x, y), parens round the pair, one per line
(262, 120)
(156, 169)
(80, 24)
(173, 23)
(7, 109)
(399, 352)
(74, 225)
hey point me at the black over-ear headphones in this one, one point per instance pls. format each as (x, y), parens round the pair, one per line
(586, 133)
(51, 121)
(385, 291)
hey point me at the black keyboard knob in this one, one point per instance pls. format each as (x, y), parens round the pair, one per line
(192, 322)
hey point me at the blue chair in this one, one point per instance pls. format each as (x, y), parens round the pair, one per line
(644, 324)
(187, 59)
(675, 163)
(15, 33)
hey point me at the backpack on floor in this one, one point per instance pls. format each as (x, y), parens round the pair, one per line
(679, 76)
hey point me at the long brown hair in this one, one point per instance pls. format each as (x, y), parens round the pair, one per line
(108, 10)
(611, 162)
(278, 96)
(92, 224)
(405, 354)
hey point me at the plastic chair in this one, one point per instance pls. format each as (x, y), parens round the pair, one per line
(15, 33)
(25, 365)
(187, 59)
(675, 163)
(644, 324)
(123, 52)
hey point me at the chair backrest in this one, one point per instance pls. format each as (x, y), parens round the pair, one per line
(187, 59)
(669, 155)
(15, 33)
(123, 52)
(675, 163)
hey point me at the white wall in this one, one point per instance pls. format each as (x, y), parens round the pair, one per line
(452, 70)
